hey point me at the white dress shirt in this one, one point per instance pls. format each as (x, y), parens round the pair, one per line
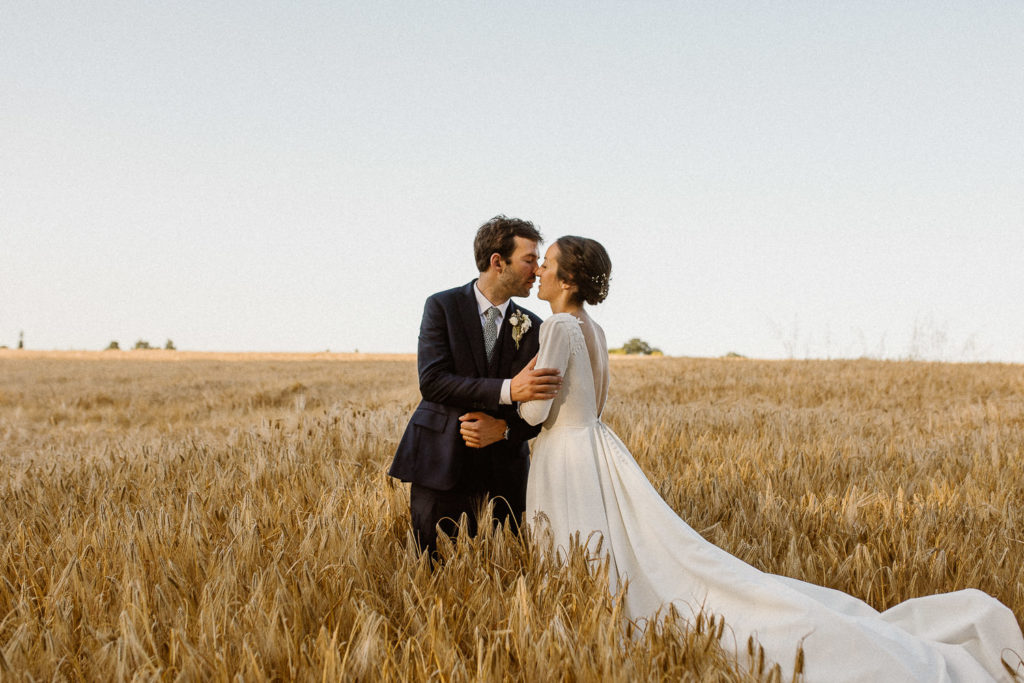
(482, 304)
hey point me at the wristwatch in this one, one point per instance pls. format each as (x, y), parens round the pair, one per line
(507, 430)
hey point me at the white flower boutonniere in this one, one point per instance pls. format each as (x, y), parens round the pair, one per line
(521, 324)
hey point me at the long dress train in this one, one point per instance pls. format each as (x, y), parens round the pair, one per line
(583, 479)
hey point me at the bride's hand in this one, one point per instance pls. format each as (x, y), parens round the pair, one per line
(533, 384)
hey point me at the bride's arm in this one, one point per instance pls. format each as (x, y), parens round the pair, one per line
(554, 353)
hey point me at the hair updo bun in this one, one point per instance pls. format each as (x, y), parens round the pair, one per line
(584, 263)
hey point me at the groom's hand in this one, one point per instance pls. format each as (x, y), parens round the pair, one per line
(532, 384)
(480, 429)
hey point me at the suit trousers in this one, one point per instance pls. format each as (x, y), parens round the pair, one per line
(486, 475)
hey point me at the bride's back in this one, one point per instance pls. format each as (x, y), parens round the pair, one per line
(597, 349)
(585, 378)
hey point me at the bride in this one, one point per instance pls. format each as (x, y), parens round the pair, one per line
(583, 479)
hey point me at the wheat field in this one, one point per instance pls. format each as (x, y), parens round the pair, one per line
(193, 517)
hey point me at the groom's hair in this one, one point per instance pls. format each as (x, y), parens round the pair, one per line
(498, 235)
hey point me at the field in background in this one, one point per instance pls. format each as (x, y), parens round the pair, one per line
(229, 514)
(179, 356)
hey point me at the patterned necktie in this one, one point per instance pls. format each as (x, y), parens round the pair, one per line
(491, 330)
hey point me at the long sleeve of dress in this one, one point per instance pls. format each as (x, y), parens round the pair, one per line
(555, 349)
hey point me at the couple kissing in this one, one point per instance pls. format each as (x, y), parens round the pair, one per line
(492, 377)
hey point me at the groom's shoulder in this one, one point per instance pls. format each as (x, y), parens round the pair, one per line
(450, 295)
(536, 319)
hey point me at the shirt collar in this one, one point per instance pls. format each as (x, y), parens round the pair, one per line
(482, 304)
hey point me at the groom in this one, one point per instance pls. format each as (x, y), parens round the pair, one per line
(465, 442)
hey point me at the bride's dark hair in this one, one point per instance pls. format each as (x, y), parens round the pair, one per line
(584, 263)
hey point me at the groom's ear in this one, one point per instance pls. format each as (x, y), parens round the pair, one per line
(496, 261)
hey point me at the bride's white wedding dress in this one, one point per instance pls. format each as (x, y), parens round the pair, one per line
(583, 479)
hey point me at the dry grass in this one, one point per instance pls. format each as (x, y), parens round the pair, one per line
(224, 515)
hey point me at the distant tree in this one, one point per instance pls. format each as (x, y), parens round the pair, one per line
(169, 346)
(21, 339)
(113, 346)
(637, 346)
(142, 344)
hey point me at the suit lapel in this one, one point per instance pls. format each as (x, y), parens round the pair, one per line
(503, 357)
(474, 330)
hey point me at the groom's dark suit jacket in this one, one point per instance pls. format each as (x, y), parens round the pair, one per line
(455, 378)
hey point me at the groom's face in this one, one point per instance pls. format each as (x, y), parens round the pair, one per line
(518, 274)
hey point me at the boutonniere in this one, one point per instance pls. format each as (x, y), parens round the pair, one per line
(521, 324)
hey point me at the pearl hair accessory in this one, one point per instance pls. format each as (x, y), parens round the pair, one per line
(601, 280)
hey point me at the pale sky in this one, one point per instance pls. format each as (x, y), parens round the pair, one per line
(807, 179)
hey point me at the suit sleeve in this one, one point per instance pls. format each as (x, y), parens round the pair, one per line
(438, 381)
(554, 353)
(518, 429)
